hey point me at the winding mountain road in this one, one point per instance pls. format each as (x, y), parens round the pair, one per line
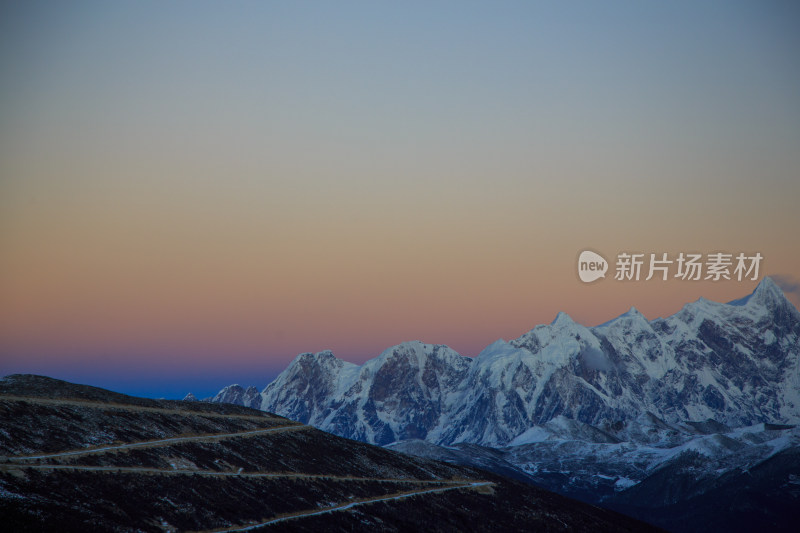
(350, 505)
(48, 462)
(163, 442)
(214, 473)
(136, 408)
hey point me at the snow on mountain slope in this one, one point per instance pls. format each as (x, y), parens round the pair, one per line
(596, 470)
(239, 395)
(400, 394)
(735, 363)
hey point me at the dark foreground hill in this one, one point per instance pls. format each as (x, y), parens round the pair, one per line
(78, 458)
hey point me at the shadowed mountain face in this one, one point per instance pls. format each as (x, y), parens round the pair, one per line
(687, 477)
(77, 458)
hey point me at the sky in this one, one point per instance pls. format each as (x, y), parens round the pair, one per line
(192, 193)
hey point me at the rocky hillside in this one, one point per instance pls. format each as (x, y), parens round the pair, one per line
(76, 458)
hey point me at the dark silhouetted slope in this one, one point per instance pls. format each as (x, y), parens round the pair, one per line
(79, 458)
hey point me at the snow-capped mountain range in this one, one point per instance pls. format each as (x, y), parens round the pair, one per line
(736, 363)
(669, 420)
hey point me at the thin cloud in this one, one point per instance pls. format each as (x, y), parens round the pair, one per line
(788, 284)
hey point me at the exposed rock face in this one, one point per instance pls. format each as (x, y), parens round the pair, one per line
(236, 394)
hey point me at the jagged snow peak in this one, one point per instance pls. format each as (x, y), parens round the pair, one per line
(239, 395)
(737, 363)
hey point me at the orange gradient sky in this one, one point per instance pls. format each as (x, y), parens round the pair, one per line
(200, 190)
